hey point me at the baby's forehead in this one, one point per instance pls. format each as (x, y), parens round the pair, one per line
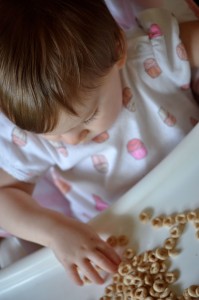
(87, 102)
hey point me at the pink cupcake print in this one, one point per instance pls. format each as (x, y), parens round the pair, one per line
(60, 148)
(127, 96)
(19, 137)
(152, 68)
(137, 149)
(154, 31)
(181, 52)
(167, 117)
(100, 204)
(101, 138)
(185, 87)
(100, 163)
(193, 121)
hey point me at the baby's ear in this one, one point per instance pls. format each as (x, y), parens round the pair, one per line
(122, 60)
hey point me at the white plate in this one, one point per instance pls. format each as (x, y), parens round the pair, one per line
(173, 186)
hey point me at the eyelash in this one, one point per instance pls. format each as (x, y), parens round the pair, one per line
(92, 118)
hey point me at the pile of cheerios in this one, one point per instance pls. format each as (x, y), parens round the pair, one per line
(146, 275)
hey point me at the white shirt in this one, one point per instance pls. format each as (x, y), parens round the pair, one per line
(158, 112)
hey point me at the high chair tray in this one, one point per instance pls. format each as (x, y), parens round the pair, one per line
(173, 186)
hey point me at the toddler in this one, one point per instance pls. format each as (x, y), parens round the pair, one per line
(98, 109)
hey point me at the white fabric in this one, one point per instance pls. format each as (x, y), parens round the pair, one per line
(158, 112)
(125, 11)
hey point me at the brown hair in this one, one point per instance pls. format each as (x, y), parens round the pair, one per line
(51, 51)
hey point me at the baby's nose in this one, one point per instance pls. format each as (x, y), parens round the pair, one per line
(75, 138)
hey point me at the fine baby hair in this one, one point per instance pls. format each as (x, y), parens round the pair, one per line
(51, 53)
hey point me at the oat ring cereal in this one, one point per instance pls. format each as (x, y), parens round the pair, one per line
(117, 278)
(146, 275)
(157, 222)
(170, 243)
(154, 293)
(161, 253)
(170, 277)
(123, 240)
(176, 231)
(143, 267)
(159, 285)
(148, 279)
(144, 216)
(165, 293)
(181, 218)
(129, 279)
(152, 257)
(169, 221)
(124, 269)
(112, 241)
(155, 268)
(110, 290)
(141, 293)
(193, 291)
(119, 288)
(129, 253)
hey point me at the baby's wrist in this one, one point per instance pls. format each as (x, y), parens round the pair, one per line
(54, 222)
(46, 227)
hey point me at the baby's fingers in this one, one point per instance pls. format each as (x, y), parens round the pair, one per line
(110, 253)
(103, 259)
(74, 275)
(90, 272)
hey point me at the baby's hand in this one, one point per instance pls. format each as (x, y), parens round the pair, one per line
(78, 247)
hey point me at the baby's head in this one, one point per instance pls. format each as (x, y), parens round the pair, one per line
(58, 64)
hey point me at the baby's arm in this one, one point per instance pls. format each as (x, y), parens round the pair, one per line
(75, 244)
(189, 34)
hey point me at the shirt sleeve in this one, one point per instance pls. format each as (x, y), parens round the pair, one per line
(23, 155)
(159, 46)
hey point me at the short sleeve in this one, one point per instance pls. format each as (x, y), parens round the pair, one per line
(23, 155)
(165, 49)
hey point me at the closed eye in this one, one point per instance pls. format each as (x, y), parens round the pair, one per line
(92, 118)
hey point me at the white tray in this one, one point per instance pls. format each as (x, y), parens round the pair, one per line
(173, 186)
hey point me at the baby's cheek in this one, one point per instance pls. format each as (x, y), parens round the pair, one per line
(51, 138)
